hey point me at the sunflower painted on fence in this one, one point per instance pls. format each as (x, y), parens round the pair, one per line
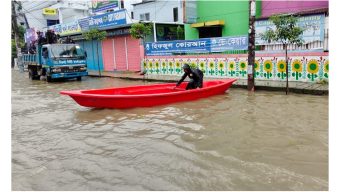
(164, 69)
(178, 67)
(150, 66)
(243, 68)
(297, 69)
(221, 67)
(326, 69)
(313, 69)
(193, 65)
(157, 67)
(201, 66)
(281, 69)
(268, 67)
(257, 68)
(231, 68)
(211, 69)
(171, 67)
(145, 66)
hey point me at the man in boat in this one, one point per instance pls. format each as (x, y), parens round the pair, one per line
(196, 77)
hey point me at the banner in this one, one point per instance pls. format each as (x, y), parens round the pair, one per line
(103, 5)
(313, 26)
(66, 29)
(49, 11)
(103, 21)
(30, 35)
(205, 45)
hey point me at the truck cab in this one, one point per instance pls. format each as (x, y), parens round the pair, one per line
(59, 61)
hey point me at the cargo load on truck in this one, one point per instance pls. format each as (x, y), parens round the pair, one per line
(53, 59)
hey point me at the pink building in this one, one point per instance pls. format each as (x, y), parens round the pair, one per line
(274, 7)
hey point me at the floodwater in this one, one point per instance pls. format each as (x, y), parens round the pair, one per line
(235, 141)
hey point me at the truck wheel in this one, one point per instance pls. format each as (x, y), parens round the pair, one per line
(30, 75)
(48, 78)
(79, 78)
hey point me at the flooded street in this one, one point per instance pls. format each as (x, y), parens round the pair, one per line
(235, 141)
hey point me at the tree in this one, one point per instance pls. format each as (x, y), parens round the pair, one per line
(140, 31)
(180, 32)
(95, 34)
(286, 32)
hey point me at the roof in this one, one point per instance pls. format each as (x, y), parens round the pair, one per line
(143, 2)
(304, 12)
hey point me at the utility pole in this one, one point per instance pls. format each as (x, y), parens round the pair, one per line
(251, 46)
(15, 27)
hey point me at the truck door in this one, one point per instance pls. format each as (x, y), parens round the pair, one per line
(44, 54)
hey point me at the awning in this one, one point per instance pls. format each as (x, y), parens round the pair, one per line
(214, 23)
(208, 24)
(195, 25)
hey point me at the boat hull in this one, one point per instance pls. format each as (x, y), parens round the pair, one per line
(146, 96)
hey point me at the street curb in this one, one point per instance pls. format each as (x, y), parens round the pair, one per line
(259, 87)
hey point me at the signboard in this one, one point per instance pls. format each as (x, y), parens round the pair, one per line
(103, 5)
(49, 11)
(103, 21)
(84, 24)
(205, 45)
(66, 29)
(118, 32)
(229, 43)
(313, 25)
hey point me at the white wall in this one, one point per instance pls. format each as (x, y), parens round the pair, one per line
(160, 11)
(316, 45)
(70, 10)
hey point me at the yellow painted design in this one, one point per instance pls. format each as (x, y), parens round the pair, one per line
(268, 66)
(281, 66)
(313, 66)
(231, 66)
(297, 66)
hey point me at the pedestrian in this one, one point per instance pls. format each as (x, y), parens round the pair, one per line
(195, 75)
(69, 40)
(41, 38)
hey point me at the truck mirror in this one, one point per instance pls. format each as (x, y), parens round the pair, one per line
(85, 54)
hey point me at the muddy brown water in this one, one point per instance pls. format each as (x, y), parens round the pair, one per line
(235, 141)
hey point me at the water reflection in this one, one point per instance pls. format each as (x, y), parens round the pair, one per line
(235, 141)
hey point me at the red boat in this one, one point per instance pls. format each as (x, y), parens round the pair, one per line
(146, 95)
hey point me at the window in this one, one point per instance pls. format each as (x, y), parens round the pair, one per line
(145, 17)
(45, 52)
(132, 15)
(122, 4)
(175, 14)
(52, 22)
(206, 32)
(142, 17)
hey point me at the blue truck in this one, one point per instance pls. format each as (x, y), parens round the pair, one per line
(56, 61)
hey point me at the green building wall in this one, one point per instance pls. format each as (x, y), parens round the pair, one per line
(234, 13)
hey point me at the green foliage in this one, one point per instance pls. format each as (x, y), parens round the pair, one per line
(94, 34)
(140, 30)
(287, 31)
(180, 32)
(14, 49)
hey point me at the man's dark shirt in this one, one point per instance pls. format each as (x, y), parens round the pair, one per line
(195, 75)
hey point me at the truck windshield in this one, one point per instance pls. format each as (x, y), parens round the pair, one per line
(67, 51)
